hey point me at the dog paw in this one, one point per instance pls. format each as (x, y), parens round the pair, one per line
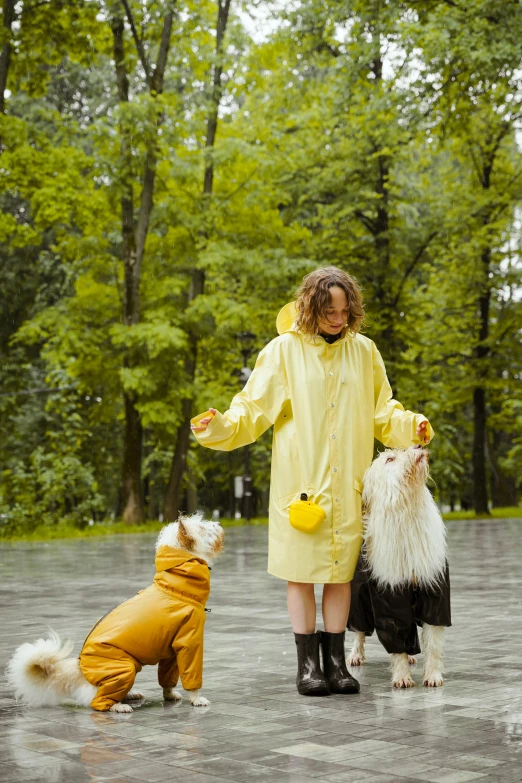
(118, 707)
(200, 701)
(412, 660)
(433, 681)
(169, 694)
(355, 659)
(134, 696)
(403, 682)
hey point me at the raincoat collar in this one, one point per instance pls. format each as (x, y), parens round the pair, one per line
(168, 557)
(285, 322)
(183, 574)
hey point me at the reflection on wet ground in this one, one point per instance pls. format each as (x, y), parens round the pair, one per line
(258, 727)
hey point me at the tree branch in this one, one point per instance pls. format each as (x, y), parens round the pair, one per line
(149, 175)
(411, 266)
(139, 43)
(158, 76)
(366, 221)
(239, 187)
(217, 90)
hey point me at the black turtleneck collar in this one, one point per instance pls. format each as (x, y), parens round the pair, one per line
(331, 338)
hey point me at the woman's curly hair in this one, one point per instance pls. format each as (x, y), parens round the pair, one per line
(313, 299)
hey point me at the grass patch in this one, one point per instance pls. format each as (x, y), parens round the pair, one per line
(496, 513)
(60, 531)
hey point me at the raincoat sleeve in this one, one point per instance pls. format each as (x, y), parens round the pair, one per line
(188, 649)
(251, 412)
(393, 426)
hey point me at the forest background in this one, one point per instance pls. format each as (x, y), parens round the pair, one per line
(169, 172)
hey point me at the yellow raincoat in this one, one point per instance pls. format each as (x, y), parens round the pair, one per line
(162, 624)
(327, 402)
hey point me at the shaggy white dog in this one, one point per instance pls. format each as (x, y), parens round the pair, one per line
(43, 674)
(405, 547)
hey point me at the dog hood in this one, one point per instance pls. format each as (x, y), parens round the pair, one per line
(183, 574)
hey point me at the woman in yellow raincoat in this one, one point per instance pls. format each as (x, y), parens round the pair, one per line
(323, 387)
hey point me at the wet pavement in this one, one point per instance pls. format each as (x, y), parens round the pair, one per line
(258, 728)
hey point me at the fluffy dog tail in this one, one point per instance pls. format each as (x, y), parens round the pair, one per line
(41, 674)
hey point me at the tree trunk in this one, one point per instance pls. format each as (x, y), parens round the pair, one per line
(131, 472)
(133, 432)
(171, 505)
(134, 235)
(382, 246)
(191, 494)
(480, 489)
(177, 469)
(503, 488)
(379, 226)
(480, 492)
(8, 16)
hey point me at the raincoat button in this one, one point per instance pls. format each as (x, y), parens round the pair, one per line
(336, 500)
(337, 532)
(335, 470)
(330, 373)
(332, 405)
(336, 562)
(333, 436)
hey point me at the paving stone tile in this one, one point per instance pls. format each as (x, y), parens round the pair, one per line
(258, 727)
(472, 762)
(377, 778)
(149, 771)
(447, 775)
(505, 775)
(85, 754)
(407, 767)
(352, 776)
(11, 773)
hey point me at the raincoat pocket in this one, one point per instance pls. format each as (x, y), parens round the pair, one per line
(305, 515)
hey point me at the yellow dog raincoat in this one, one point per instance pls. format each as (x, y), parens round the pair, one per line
(160, 625)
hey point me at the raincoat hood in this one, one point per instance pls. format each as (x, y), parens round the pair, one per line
(183, 574)
(285, 321)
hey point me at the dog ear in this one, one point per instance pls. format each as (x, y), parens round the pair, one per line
(185, 540)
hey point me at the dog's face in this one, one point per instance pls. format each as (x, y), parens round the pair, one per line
(395, 472)
(194, 534)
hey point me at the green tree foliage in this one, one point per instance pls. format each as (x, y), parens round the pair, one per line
(166, 180)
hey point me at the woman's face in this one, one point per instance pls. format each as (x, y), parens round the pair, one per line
(336, 314)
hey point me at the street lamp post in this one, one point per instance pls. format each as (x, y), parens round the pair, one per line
(246, 340)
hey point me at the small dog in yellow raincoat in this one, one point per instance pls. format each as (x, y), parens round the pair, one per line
(160, 625)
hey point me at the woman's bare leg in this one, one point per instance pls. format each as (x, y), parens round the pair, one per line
(336, 607)
(301, 607)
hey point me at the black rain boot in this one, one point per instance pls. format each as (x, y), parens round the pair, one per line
(310, 679)
(334, 664)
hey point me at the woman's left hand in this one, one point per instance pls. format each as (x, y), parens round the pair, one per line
(422, 432)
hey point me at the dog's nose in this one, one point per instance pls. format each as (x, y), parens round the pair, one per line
(418, 446)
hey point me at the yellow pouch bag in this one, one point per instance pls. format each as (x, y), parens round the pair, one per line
(305, 515)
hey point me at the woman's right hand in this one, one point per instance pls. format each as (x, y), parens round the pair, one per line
(202, 425)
